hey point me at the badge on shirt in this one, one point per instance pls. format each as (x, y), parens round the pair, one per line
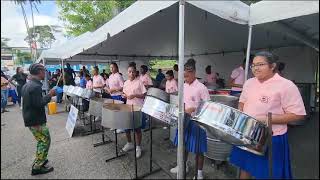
(264, 99)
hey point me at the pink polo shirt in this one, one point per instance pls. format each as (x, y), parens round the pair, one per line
(276, 95)
(238, 76)
(211, 78)
(171, 86)
(194, 93)
(89, 84)
(97, 80)
(115, 81)
(134, 87)
(146, 80)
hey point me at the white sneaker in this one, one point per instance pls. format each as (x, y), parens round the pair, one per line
(138, 152)
(128, 147)
(175, 169)
(198, 177)
(120, 131)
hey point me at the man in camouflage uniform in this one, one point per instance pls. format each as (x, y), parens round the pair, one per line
(34, 115)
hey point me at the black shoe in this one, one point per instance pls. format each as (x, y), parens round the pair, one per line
(42, 170)
(45, 162)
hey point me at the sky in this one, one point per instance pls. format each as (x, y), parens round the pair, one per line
(13, 25)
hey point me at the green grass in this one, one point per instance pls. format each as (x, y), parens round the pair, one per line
(160, 64)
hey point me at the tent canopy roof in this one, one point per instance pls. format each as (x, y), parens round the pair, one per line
(150, 28)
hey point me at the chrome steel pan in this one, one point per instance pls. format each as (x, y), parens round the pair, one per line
(95, 105)
(159, 94)
(232, 126)
(159, 109)
(119, 116)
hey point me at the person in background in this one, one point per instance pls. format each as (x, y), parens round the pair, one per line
(82, 79)
(195, 137)
(85, 70)
(171, 84)
(211, 78)
(134, 91)
(269, 92)
(4, 92)
(69, 75)
(60, 93)
(34, 116)
(97, 82)
(145, 77)
(175, 72)
(280, 68)
(160, 76)
(103, 74)
(89, 84)
(21, 78)
(237, 78)
(137, 73)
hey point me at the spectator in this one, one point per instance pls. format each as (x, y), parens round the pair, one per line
(21, 78)
(69, 75)
(4, 92)
(160, 76)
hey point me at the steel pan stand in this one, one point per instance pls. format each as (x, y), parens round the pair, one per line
(116, 148)
(270, 145)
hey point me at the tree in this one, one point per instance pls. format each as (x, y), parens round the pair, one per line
(33, 4)
(4, 42)
(23, 57)
(83, 16)
(43, 35)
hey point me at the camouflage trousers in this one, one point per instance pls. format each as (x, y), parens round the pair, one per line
(42, 135)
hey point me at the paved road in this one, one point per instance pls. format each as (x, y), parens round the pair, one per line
(77, 158)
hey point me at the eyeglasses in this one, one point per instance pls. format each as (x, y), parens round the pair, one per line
(258, 65)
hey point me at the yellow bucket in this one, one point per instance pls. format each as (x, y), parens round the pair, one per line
(52, 108)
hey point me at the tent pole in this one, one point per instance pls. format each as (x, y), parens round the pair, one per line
(46, 77)
(180, 152)
(248, 53)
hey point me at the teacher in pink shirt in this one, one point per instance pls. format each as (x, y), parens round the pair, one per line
(134, 91)
(269, 92)
(211, 78)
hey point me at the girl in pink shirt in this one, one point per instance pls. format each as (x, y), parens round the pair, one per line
(269, 92)
(115, 83)
(195, 137)
(97, 82)
(171, 83)
(211, 79)
(134, 91)
(145, 77)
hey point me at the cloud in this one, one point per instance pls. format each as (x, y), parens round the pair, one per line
(13, 25)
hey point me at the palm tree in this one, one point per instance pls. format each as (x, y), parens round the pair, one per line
(32, 4)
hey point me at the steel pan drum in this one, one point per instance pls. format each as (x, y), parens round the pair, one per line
(158, 109)
(119, 116)
(223, 91)
(228, 100)
(65, 88)
(232, 126)
(159, 94)
(95, 105)
(87, 94)
(78, 91)
(217, 149)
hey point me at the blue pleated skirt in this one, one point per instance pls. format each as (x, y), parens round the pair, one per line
(195, 137)
(258, 166)
(118, 97)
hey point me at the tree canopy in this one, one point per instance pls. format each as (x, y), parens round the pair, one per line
(43, 35)
(83, 16)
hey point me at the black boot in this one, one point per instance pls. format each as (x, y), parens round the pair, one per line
(42, 170)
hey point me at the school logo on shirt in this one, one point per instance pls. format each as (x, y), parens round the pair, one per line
(264, 99)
